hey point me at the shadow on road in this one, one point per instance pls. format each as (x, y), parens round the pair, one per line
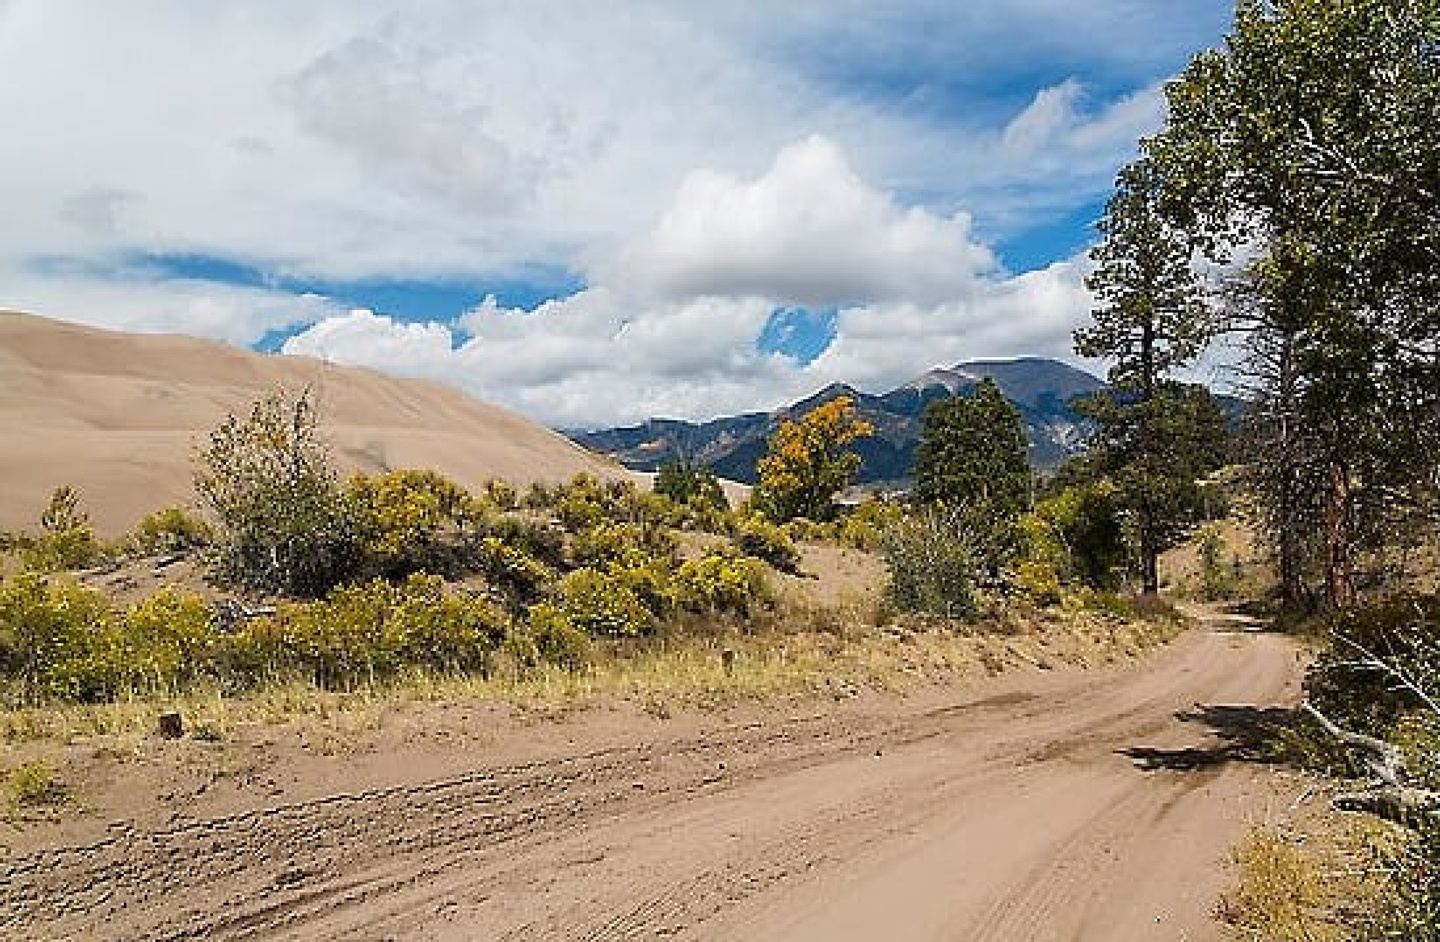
(1242, 734)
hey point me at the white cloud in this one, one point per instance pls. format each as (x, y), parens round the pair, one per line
(136, 300)
(673, 331)
(634, 145)
(808, 232)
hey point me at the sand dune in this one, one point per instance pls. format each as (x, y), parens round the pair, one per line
(117, 416)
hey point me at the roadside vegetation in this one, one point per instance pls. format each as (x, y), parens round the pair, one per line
(407, 578)
(1288, 205)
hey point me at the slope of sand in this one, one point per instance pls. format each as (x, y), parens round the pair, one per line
(118, 415)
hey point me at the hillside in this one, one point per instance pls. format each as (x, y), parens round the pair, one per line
(117, 416)
(1041, 389)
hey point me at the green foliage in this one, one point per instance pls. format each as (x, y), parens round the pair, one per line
(619, 543)
(974, 452)
(1076, 534)
(284, 525)
(168, 642)
(1218, 577)
(864, 527)
(761, 539)
(692, 485)
(366, 633)
(1155, 449)
(556, 639)
(1411, 909)
(34, 784)
(720, 583)
(66, 540)
(410, 521)
(600, 604)
(1307, 147)
(54, 639)
(538, 539)
(652, 580)
(934, 561)
(1345, 683)
(502, 495)
(170, 530)
(512, 569)
(809, 461)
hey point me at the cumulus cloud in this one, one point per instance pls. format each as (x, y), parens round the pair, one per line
(809, 231)
(672, 328)
(694, 165)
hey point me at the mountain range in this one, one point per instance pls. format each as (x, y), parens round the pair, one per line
(1041, 389)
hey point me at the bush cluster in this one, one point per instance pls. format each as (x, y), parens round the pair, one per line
(65, 541)
(169, 530)
(757, 537)
(62, 642)
(934, 563)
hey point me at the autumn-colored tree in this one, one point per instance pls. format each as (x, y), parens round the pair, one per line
(810, 460)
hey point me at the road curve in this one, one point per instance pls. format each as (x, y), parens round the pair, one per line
(1020, 813)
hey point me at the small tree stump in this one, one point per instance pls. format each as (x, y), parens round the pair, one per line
(727, 660)
(171, 724)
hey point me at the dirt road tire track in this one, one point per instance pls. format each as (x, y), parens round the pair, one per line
(1006, 816)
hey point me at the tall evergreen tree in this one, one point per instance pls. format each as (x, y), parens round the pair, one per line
(1150, 319)
(973, 450)
(973, 458)
(1310, 143)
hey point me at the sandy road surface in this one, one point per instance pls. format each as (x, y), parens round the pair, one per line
(1014, 813)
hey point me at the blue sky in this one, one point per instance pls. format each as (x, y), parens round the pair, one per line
(591, 212)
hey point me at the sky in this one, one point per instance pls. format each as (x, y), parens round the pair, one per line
(593, 212)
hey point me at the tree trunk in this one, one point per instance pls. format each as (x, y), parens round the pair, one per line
(1149, 557)
(1339, 577)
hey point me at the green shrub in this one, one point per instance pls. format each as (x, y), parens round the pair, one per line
(66, 540)
(723, 583)
(410, 521)
(1218, 577)
(169, 641)
(606, 544)
(601, 604)
(540, 540)
(57, 640)
(690, 484)
(1345, 686)
(864, 527)
(170, 530)
(803, 528)
(652, 579)
(512, 569)
(556, 639)
(364, 633)
(761, 539)
(934, 562)
(1076, 532)
(502, 495)
(283, 523)
(34, 784)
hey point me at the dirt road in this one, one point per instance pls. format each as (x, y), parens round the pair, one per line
(1019, 811)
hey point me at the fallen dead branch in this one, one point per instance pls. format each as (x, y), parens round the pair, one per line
(1392, 799)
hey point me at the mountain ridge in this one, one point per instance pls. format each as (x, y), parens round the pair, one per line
(1042, 389)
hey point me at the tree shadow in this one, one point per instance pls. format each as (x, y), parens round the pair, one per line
(1261, 735)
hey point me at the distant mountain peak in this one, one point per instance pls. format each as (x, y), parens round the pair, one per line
(1041, 389)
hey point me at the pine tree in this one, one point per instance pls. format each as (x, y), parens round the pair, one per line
(1150, 320)
(974, 451)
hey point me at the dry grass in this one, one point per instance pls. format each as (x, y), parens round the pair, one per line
(812, 651)
(33, 786)
(1309, 885)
